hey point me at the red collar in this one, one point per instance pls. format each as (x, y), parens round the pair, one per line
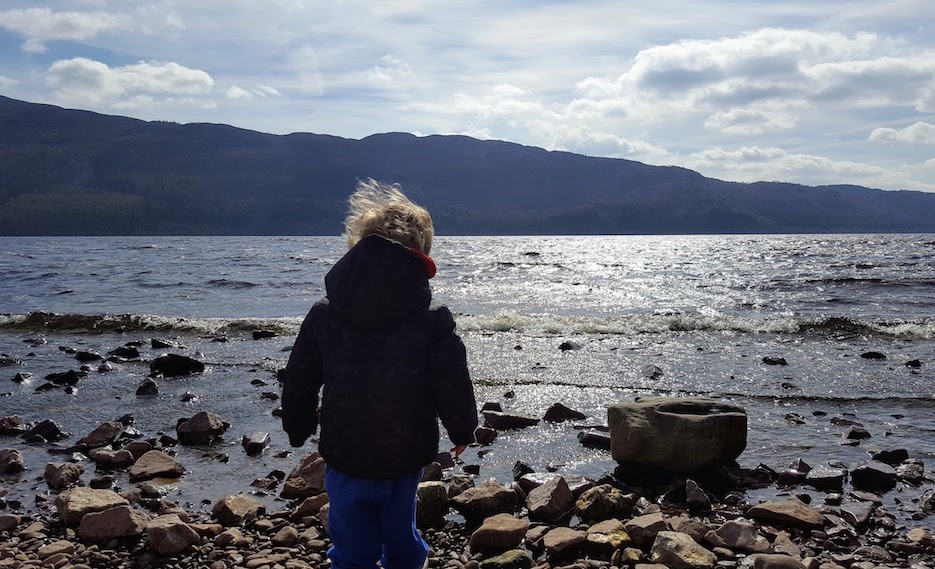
(426, 260)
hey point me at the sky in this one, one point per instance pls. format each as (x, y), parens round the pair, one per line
(812, 92)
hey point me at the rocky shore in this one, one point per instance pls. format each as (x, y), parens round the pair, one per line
(106, 500)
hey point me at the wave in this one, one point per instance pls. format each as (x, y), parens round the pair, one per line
(836, 328)
(111, 323)
(635, 324)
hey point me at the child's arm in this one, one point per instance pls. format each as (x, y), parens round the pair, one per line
(303, 379)
(451, 383)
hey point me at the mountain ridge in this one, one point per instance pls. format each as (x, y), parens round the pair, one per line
(69, 172)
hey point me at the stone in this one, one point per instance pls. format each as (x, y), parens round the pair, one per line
(75, 503)
(46, 430)
(459, 483)
(775, 561)
(696, 498)
(774, 361)
(513, 559)
(56, 548)
(696, 529)
(603, 538)
(784, 545)
(233, 537)
(679, 551)
(236, 509)
(70, 378)
(306, 479)
(11, 461)
(112, 523)
(563, 542)
(604, 502)
(287, 536)
(826, 478)
(643, 529)
(62, 475)
(922, 536)
(431, 504)
(550, 501)
(789, 513)
(576, 483)
(107, 459)
(559, 413)
(912, 470)
(147, 387)
(481, 502)
(498, 533)
(681, 434)
(169, 535)
(155, 464)
(738, 534)
(12, 425)
(506, 421)
(594, 439)
(874, 475)
(893, 457)
(125, 352)
(857, 433)
(310, 506)
(202, 429)
(174, 365)
(103, 435)
(857, 513)
(9, 521)
(255, 443)
(484, 435)
(323, 518)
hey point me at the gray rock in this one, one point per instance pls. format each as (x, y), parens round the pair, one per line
(679, 551)
(483, 501)
(738, 534)
(507, 421)
(112, 523)
(563, 542)
(550, 501)
(788, 512)
(826, 478)
(675, 433)
(201, 429)
(62, 475)
(255, 443)
(74, 504)
(155, 464)
(513, 559)
(236, 509)
(107, 459)
(558, 413)
(431, 504)
(103, 435)
(775, 561)
(169, 535)
(874, 475)
(11, 461)
(604, 502)
(643, 529)
(498, 533)
(306, 479)
(912, 471)
(174, 365)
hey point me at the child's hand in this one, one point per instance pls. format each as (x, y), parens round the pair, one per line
(457, 450)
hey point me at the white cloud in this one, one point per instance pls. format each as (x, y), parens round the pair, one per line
(752, 163)
(7, 82)
(263, 91)
(918, 133)
(750, 121)
(390, 70)
(307, 70)
(142, 84)
(39, 25)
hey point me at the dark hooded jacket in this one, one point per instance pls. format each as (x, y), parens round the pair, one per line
(388, 365)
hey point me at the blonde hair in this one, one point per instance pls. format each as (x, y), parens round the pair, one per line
(382, 209)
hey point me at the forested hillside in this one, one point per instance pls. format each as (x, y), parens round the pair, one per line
(77, 172)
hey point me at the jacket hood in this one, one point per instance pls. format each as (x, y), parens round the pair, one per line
(377, 283)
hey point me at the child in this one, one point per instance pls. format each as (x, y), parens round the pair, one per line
(390, 366)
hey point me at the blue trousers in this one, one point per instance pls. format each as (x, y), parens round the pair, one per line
(374, 520)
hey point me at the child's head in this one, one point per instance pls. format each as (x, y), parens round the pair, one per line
(383, 209)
